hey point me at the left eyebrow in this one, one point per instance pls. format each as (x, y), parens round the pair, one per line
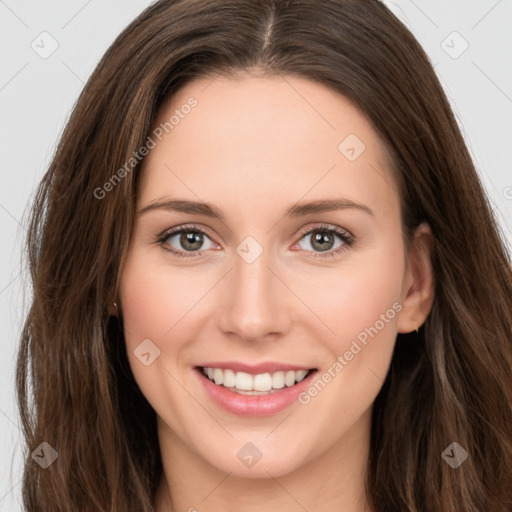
(296, 210)
(325, 205)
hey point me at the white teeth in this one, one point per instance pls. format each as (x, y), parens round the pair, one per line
(243, 381)
(262, 382)
(278, 380)
(300, 375)
(229, 379)
(218, 376)
(289, 378)
(247, 383)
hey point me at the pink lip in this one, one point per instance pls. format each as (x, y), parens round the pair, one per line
(269, 367)
(253, 405)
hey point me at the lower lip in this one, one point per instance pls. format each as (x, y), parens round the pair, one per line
(253, 405)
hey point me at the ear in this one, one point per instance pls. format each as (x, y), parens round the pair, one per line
(418, 284)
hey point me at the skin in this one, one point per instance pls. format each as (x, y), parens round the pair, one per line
(254, 146)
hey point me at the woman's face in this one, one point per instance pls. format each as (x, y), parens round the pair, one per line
(296, 264)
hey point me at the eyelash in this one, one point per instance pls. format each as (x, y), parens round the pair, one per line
(348, 240)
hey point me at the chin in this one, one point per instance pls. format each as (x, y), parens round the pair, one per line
(257, 459)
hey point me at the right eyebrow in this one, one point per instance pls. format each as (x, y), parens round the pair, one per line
(185, 206)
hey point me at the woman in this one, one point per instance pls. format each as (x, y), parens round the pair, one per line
(266, 276)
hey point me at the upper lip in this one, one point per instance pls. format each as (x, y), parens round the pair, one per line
(254, 369)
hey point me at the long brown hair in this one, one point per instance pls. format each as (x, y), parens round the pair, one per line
(449, 383)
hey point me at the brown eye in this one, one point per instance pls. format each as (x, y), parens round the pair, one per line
(191, 240)
(185, 240)
(323, 240)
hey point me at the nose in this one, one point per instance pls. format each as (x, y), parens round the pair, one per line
(255, 304)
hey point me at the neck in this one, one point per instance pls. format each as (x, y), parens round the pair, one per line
(334, 480)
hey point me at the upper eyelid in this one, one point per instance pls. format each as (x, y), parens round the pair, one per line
(327, 227)
(192, 227)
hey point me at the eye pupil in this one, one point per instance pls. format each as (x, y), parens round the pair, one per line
(322, 238)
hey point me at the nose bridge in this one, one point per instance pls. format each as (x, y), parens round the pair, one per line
(253, 305)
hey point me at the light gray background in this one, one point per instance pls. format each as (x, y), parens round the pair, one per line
(36, 96)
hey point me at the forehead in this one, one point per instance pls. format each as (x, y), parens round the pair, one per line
(256, 138)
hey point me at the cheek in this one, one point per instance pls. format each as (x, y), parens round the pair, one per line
(145, 300)
(359, 304)
(154, 307)
(155, 300)
(361, 308)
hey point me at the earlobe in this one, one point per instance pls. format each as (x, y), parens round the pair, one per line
(418, 291)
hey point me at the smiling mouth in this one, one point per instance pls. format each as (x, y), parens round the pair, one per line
(260, 384)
